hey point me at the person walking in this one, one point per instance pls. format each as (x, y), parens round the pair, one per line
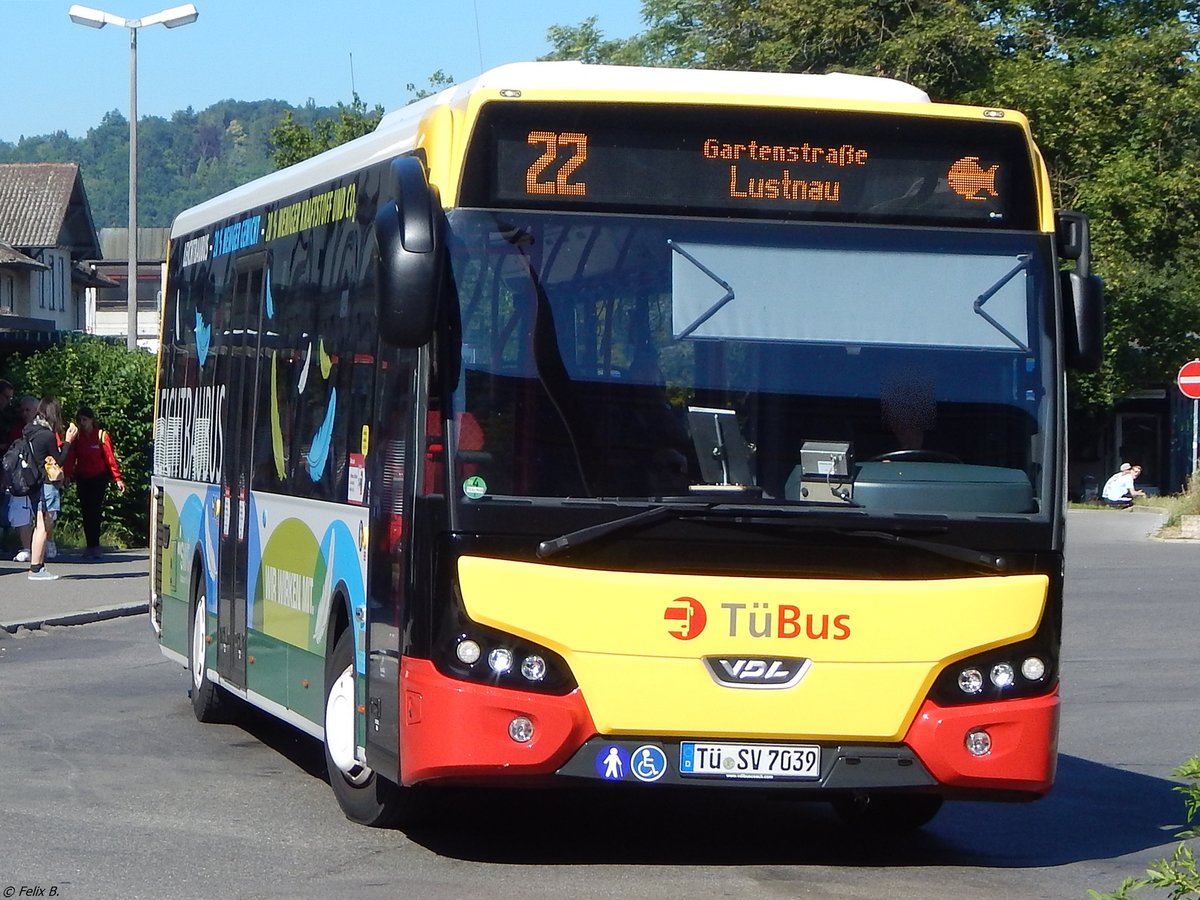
(6, 395)
(43, 435)
(20, 509)
(91, 465)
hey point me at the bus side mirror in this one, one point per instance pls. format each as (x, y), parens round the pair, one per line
(408, 230)
(1082, 294)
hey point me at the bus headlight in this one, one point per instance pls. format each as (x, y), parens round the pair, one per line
(1002, 675)
(500, 660)
(533, 668)
(1021, 670)
(486, 655)
(468, 652)
(1033, 668)
(979, 743)
(970, 681)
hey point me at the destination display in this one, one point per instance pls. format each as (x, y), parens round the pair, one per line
(754, 162)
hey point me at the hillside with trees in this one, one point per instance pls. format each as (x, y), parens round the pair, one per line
(181, 161)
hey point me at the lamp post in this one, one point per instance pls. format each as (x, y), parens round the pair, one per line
(95, 18)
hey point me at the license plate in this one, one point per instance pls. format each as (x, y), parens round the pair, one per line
(750, 760)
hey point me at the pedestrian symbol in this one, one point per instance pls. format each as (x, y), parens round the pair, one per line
(612, 762)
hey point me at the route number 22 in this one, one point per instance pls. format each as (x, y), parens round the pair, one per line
(554, 145)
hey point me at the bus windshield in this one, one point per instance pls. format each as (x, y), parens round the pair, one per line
(894, 369)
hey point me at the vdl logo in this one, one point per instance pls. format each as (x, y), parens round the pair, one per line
(770, 672)
(689, 617)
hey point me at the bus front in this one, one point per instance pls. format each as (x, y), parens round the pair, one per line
(745, 455)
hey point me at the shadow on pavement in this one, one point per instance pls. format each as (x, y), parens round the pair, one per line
(1094, 812)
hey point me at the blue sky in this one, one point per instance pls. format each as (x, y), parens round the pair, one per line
(56, 75)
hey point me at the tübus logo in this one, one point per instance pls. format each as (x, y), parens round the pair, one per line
(689, 614)
(778, 620)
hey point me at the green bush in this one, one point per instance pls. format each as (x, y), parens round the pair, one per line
(118, 384)
(1185, 504)
(1178, 875)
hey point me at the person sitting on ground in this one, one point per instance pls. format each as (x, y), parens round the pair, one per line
(1119, 490)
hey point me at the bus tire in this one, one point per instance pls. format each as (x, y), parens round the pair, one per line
(887, 812)
(365, 796)
(208, 700)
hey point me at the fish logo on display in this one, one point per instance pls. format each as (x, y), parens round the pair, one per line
(969, 179)
(757, 672)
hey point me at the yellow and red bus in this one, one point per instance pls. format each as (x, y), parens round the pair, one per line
(640, 427)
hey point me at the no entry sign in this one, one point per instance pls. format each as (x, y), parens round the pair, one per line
(1189, 379)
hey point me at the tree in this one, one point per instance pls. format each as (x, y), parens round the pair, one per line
(294, 141)
(942, 45)
(585, 43)
(1113, 93)
(436, 82)
(118, 384)
(1111, 88)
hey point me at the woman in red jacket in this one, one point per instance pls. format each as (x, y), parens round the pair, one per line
(91, 465)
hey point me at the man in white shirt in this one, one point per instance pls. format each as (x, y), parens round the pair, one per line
(1119, 490)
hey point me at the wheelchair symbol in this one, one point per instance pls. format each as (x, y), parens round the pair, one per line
(648, 763)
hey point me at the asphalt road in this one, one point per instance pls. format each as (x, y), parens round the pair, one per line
(112, 789)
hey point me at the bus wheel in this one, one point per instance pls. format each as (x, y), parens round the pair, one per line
(887, 812)
(208, 700)
(365, 796)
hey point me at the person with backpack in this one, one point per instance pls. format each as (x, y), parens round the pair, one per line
(20, 507)
(42, 435)
(91, 465)
(6, 395)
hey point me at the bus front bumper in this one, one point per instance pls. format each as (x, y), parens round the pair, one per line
(456, 730)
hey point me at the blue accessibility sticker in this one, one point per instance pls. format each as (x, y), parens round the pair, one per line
(612, 762)
(649, 763)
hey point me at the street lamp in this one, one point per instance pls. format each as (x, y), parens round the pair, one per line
(95, 18)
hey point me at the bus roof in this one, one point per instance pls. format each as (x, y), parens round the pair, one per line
(397, 132)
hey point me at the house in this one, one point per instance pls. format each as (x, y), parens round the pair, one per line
(46, 234)
(108, 304)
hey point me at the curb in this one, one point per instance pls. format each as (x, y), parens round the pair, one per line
(78, 618)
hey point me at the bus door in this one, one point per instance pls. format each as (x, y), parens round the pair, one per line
(241, 360)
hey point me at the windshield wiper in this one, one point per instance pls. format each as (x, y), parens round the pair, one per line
(642, 519)
(1021, 266)
(987, 561)
(716, 307)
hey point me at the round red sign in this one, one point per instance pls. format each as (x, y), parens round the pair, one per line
(1189, 379)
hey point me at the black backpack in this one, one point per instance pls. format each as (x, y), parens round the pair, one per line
(22, 474)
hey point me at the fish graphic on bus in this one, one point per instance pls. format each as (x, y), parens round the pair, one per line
(969, 180)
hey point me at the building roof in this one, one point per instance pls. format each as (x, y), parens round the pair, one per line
(11, 258)
(44, 205)
(87, 276)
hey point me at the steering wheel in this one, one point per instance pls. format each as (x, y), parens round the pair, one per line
(916, 456)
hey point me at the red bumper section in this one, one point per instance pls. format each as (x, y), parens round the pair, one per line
(456, 729)
(1024, 751)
